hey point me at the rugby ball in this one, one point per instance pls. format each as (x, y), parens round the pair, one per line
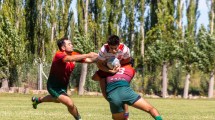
(113, 62)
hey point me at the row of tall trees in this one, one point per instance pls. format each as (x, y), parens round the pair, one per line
(168, 53)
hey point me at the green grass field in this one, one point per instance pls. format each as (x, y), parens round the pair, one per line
(18, 107)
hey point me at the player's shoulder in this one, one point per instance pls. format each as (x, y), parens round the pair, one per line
(128, 67)
(75, 53)
(59, 53)
(104, 48)
(122, 47)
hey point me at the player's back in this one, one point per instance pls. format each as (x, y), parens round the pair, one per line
(125, 73)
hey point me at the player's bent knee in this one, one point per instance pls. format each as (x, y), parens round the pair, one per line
(95, 77)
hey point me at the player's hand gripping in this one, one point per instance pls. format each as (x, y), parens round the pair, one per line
(114, 70)
(92, 55)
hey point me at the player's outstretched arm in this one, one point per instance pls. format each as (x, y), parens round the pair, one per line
(74, 58)
(93, 59)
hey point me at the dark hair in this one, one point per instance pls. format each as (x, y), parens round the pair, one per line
(113, 40)
(60, 42)
(132, 62)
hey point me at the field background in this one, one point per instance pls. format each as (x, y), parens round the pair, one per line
(18, 107)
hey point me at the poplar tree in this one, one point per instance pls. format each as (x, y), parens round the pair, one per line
(84, 65)
(211, 82)
(12, 52)
(189, 58)
(161, 43)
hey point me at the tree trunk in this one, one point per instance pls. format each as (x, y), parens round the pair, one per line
(17, 21)
(53, 36)
(82, 78)
(142, 30)
(40, 47)
(132, 41)
(53, 32)
(53, 27)
(84, 66)
(5, 83)
(86, 18)
(211, 85)
(186, 86)
(117, 30)
(180, 14)
(142, 41)
(40, 79)
(165, 81)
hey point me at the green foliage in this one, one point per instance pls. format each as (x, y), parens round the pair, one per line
(90, 84)
(137, 83)
(188, 52)
(31, 18)
(80, 8)
(23, 30)
(175, 79)
(82, 44)
(113, 15)
(204, 84)
(161, 46)
(12, 48)
(97, 22)
(153, 16)
(206, 45)
(161, 41)
(191, 14)
(75, 77)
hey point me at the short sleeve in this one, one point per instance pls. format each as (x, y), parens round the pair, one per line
(59, 56)
(126, 52)
(102, 53)
(76, 53)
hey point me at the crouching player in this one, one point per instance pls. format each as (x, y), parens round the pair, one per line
(62, 66)
(119, 93)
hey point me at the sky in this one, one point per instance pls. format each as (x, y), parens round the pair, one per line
(203, 9)
(204, 18)
(73, 8)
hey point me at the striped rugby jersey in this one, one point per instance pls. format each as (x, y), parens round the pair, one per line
(123, 52)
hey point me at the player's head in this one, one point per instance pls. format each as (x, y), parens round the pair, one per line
(64, 44)
(113, 40)
(131, 63)
(113, 43)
